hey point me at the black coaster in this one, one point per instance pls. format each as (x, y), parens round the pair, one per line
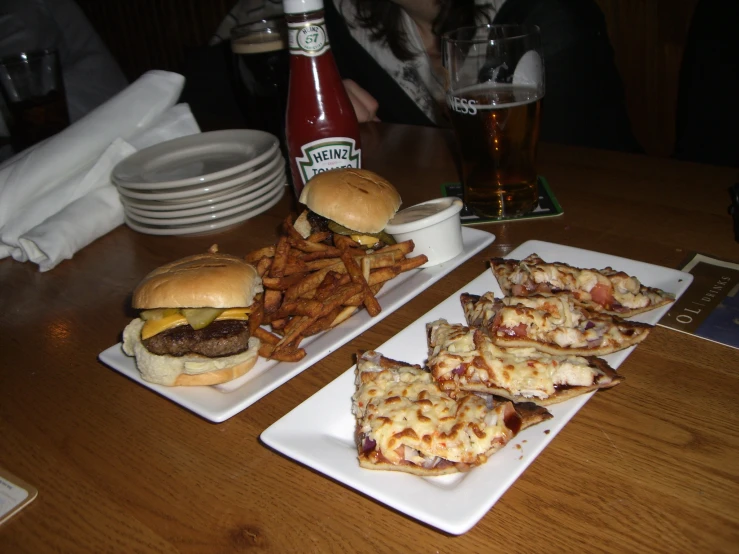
(548, 205)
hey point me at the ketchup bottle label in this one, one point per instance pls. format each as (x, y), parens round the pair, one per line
(327, 154)
(308, 39)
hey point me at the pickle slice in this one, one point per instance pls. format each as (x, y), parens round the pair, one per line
(340, 229)
(199, 318)
(158, 313)
(386, 238)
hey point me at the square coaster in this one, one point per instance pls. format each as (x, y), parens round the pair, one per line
(548, 205)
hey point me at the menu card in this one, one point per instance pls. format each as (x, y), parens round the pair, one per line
(710, 307)
(547, 207)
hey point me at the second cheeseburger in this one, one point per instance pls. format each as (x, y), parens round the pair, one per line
(353, 202)
(194, 327)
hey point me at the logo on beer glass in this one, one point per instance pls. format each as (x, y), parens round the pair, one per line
(466, 106)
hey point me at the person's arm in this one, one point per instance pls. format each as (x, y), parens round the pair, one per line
(365, 106)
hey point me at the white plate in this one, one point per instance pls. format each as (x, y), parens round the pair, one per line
(320, 432)
(216, 225)
(211, 206)
(247, 187)
(210, 189)
(195, 158)
(221, 402)
(211, 213)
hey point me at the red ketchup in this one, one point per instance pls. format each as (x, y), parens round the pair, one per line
(321, 129)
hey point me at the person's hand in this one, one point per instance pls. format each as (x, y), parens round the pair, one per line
(365, 106)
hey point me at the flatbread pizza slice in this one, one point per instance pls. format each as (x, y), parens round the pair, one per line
(551, 324)
(465, 359)
(600, 290)
(405, 422)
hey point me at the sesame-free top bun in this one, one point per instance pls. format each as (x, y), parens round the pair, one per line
(209, 280)
(355, 198)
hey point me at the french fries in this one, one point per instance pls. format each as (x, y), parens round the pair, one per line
(313, 284)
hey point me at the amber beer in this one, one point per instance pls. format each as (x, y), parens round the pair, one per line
(497, 130)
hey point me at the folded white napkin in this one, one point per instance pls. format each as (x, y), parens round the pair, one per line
(56, 197)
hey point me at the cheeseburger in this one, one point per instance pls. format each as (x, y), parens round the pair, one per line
(352, 202)
(194, 327)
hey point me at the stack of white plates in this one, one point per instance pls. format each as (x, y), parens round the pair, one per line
(201, 183)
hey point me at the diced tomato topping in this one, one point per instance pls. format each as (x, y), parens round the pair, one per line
(517, 331)
(519, 290)
(602, 294)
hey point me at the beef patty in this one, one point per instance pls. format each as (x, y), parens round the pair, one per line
(220, 338)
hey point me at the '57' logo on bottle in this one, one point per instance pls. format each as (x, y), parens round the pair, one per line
(308, 39)
(462, 105)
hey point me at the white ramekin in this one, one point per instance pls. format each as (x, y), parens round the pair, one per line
(439, 235)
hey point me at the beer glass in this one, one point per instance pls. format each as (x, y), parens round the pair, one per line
(495, 83)
(33, 90)
(262, 67)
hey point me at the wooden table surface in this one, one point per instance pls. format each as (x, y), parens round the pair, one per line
(648, 466)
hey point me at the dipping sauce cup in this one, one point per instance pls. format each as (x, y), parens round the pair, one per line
(434, 227)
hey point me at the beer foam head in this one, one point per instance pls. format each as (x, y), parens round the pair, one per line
(258, 44)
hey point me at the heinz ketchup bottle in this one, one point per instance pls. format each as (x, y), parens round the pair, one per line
(321, 128)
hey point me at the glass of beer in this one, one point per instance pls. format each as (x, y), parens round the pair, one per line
(495, 83)
(262, 71)
(33, 90)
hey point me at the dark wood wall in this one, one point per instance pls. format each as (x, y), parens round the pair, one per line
(647, 36)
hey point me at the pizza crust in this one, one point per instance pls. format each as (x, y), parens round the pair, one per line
(551, 324)
(464, 359)
(626, 296)
(405, 422)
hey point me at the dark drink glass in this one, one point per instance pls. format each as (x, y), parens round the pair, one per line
(262, 68)
(33, 90)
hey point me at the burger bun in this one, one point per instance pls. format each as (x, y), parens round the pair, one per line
(358, 199)
(210, 280)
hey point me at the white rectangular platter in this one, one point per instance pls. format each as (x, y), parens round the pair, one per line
(220, 402)
(320, 432)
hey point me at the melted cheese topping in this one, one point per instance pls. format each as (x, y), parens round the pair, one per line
(460, 356)
(545, 319)
(411, 420)
(625, 290)
(155, 326)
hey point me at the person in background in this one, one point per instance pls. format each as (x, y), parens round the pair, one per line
(91, 74)
(389, 54)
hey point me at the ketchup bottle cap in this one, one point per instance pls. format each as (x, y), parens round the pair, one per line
(301, 6)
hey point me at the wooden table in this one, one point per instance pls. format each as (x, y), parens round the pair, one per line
(647, 466)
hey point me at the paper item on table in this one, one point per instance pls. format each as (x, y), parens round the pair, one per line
(57, 197)
(15, 494)
(710, 307)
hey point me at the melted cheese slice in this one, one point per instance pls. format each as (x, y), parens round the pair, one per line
(364, 240)
(155, 326)
(411, 420)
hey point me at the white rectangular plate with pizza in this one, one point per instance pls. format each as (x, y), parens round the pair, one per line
(320, 432)
(219, 403)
